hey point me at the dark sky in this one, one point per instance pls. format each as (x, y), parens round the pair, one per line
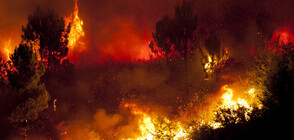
(119, 28)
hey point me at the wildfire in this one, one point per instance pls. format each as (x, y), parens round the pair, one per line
(76, 32)
(151, 128)
(7, 49)
(149, 123)
(228, 102)
(214, 62)
(208, 65)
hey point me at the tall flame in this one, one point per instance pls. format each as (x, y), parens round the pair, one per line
(75, 45)
(8, 49)
(76, 30)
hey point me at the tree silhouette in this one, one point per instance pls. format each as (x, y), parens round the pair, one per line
(30, 95)
(47, 30)
(5, 66)
(176, 37)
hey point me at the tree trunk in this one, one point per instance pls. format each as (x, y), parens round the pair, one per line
(186, 71)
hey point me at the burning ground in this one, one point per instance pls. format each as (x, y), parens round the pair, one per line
(146, 69)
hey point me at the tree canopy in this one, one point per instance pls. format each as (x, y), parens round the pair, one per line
(30, 95)
(47, 30)
(176, 36)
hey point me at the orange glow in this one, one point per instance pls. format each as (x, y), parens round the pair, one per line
(75, 44)
(125, 42)
(285, 36)
(8, 49)
(213, 62)
(150, 127)
(150, 123)
(76, 28)
(227, 96)
(229, 101)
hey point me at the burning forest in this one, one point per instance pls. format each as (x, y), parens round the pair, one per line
(146, 70)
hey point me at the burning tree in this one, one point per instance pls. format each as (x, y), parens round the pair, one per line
(74, 24)
(76, 29)
(47, 30)
(214, 58)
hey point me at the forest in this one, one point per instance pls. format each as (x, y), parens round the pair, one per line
(146, 70)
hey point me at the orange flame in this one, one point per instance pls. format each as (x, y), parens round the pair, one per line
(8, 49)
(228, 102)
(149, 126)
(75, 45)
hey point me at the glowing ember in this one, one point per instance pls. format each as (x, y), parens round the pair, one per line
(252, 92)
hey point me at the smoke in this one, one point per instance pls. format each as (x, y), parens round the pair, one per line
(122, 29)
(242, 24)
(124, 42)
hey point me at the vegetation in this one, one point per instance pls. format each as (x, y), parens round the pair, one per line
(31, 96)
(273, 76)
(47, 30)
(24, 96)
(213, 57)
(175, 38)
